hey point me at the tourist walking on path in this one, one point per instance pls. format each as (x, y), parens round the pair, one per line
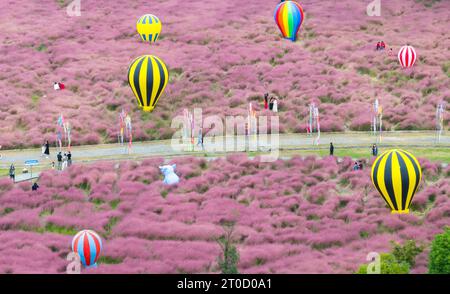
(374, 150)
(331, 149)
(64, 164)
(59, 156)
(12, 172)
(47, 149)
(69, 158)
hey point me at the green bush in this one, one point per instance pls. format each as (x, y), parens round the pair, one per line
(406, 253)
(230, 256)
(439, 258)
(388, 265)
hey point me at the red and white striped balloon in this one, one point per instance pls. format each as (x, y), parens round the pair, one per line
(407, 56)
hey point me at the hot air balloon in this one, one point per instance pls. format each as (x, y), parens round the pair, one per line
(148, 77)
(396, 174)
(289, 17)
(88, 245)
(149, 28)
(407, 56)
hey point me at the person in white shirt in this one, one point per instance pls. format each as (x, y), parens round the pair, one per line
(56, 86)
(275, 105)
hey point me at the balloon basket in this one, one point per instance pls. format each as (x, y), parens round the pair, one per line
(406, 211)
(91, 266)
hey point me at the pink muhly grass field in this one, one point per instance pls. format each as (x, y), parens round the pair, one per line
(283, 224)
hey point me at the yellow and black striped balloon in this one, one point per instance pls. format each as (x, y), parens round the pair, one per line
(396, 174)
(149, 28)
(148, 77)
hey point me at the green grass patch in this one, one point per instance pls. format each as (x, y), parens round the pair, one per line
(46, 212)
(4, 172)
(109, 260)
(7, 210)
(362, 70)
(446, 68)
(52, 228)
(114, 203)
(97, 201)
(85, 186)
(111, 223)
(41, 48)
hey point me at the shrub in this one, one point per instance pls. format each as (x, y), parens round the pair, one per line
(406, 253)
(440, 254)
(230, 256)
(389, 265)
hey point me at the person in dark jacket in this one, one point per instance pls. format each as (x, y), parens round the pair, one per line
(59, 156)
(360, 165)
(69, 158)
(12, 172)
(35, 186)
(374, 150)
(331, 149)
(47, 149)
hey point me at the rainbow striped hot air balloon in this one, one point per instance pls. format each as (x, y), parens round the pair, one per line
(289, 17)
(396, 174)
(88, 245)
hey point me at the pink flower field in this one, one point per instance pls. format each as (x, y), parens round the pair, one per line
(221, 55)
(303, 215)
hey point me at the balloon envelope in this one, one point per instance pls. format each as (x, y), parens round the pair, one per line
(148, 77)
(289, 17)
(149, 28)
(396, 174)
(407, 56)
(88, 245)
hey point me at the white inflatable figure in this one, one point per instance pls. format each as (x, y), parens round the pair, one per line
(170, 178)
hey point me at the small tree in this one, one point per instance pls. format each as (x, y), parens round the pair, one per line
(439, 258)
(230, 256)
(406, 253)
(388, 265)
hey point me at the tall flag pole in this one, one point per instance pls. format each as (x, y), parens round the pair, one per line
(439, 121)
(380, 121)
(67, 132)
(60, 126)
(129, 131)
(316, 115)
(122, 116)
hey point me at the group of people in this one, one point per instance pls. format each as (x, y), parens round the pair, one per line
(381, 46)
(63, 160)
(270, 103)
(58, 86)
(358, 165)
